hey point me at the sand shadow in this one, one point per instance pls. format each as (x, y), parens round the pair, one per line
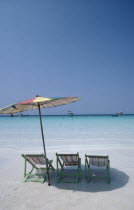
(118, 179)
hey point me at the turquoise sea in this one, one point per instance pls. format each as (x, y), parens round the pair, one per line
(20, 133)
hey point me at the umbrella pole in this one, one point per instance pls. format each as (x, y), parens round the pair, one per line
(43, 143)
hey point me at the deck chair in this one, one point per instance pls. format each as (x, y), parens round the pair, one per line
(93, 162)
(38, 162)
(67, 162)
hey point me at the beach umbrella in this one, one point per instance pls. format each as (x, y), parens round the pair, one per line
(38, 103)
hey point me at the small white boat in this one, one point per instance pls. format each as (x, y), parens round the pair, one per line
(21, 115)
(70, 113)
(118, 114)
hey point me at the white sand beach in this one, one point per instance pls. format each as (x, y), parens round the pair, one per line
(118, 195)
(54, 53)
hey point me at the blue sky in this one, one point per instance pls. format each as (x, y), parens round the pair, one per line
(61, 48)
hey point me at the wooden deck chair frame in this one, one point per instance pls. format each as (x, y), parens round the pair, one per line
(29, 175)
(88, 167)
(61, 172)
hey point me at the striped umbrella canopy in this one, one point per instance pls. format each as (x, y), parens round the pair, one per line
(38, 103)
(33, 103)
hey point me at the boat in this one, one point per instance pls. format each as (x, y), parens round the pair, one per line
(21, 115)
(116, 114)
(11, 115)
(69, 113)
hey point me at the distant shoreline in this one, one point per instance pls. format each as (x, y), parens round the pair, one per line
(2, 115)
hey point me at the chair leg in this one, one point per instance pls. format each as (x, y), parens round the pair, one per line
(50, 164)
(108, 174)
(79, 173)
(45, 178)
(85, 169)
(59, 175)
(59, 171)
(28, 175)
(25, 168)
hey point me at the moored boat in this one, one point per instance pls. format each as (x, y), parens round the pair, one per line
(118, 114)
(70, 113)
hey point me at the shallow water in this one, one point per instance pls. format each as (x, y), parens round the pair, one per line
(24, 132)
